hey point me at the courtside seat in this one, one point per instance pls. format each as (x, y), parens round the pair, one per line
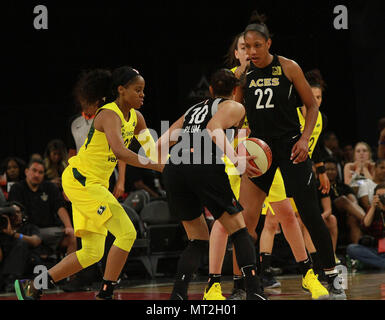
(140, 249)
(137, 200)
(165, 233)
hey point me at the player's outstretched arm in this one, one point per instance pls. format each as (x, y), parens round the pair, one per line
(168, 139)
(229, 115)
(109, 122)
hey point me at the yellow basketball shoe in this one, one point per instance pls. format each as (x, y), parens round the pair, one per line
(311, 284)
(214, 293)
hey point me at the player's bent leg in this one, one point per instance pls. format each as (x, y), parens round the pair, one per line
(189, 261)
(290, 227)
(218, 244)
(245, 253)
(266, 243)
(124, 232)
(217, 251)
(251, 199)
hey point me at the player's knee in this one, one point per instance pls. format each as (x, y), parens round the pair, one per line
(270, 225)
(87, 256)
(126, 239)
(289, 219)
(332, 220)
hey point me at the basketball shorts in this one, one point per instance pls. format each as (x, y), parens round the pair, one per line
(191, 187)
(91, 202)
(290, 177)
(234, 177)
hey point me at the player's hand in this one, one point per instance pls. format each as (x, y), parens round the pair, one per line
(242, 69)
(118, 190)
(299, 152)
(69, 231)
(325, 183)
(244, 166)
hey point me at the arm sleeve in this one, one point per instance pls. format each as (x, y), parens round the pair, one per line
(148, 144)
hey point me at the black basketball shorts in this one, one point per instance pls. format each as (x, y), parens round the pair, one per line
(191, 187)
(295, 176)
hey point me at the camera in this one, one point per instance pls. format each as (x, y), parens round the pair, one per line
(8, 211)
(382, 198)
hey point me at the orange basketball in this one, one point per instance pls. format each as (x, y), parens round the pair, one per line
(260, 149)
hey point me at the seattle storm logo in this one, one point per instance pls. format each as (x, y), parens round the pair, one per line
(101, 210)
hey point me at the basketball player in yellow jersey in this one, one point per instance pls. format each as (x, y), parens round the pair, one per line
(85, 180)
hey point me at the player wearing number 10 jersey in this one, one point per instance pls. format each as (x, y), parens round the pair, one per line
(191, 185)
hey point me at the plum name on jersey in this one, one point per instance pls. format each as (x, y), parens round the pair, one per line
(193, 128)
(266, 82)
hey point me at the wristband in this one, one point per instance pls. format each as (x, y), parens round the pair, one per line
(320, 169)
(21, 236)
(381, 142)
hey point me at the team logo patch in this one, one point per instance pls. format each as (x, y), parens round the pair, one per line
(44, 197)
(101, 209)
(277, 71)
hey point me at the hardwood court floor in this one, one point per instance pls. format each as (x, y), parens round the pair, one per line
(360, 286)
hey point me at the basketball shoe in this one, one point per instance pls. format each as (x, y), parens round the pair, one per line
(311, 284)
(25, 290)
(214, 293)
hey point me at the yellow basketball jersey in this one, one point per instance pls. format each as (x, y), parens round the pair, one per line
(231, 170)
(316, 131)
(95, 160)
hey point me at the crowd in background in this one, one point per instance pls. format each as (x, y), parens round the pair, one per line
(36, 223)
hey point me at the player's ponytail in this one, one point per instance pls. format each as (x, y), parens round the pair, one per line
(257, 24)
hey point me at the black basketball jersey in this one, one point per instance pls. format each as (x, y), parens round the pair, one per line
(270, 101)
(194, 144)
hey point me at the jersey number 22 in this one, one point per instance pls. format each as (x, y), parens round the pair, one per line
(259, 93)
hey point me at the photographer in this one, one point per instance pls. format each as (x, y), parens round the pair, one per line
(19, 244)
(371, 247)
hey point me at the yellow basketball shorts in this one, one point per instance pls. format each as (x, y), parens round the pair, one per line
(91, 202)
(234, 177)
(277, 192)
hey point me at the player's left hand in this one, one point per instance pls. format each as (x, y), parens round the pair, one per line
(299, 152)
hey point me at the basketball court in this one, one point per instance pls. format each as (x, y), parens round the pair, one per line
(360, 286)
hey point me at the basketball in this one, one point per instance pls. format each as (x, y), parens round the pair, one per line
(260, 149)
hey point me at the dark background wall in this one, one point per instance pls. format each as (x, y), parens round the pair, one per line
(175, 44)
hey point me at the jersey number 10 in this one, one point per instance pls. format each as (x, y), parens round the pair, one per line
(199, 114)
(259, 93)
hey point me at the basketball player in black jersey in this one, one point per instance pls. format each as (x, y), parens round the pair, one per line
(196, 183)
(269, 88)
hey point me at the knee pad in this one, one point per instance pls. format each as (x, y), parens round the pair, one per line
(126, 240)
(91, 253)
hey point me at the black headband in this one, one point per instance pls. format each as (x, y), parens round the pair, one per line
(125, 76)
(261, 28)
